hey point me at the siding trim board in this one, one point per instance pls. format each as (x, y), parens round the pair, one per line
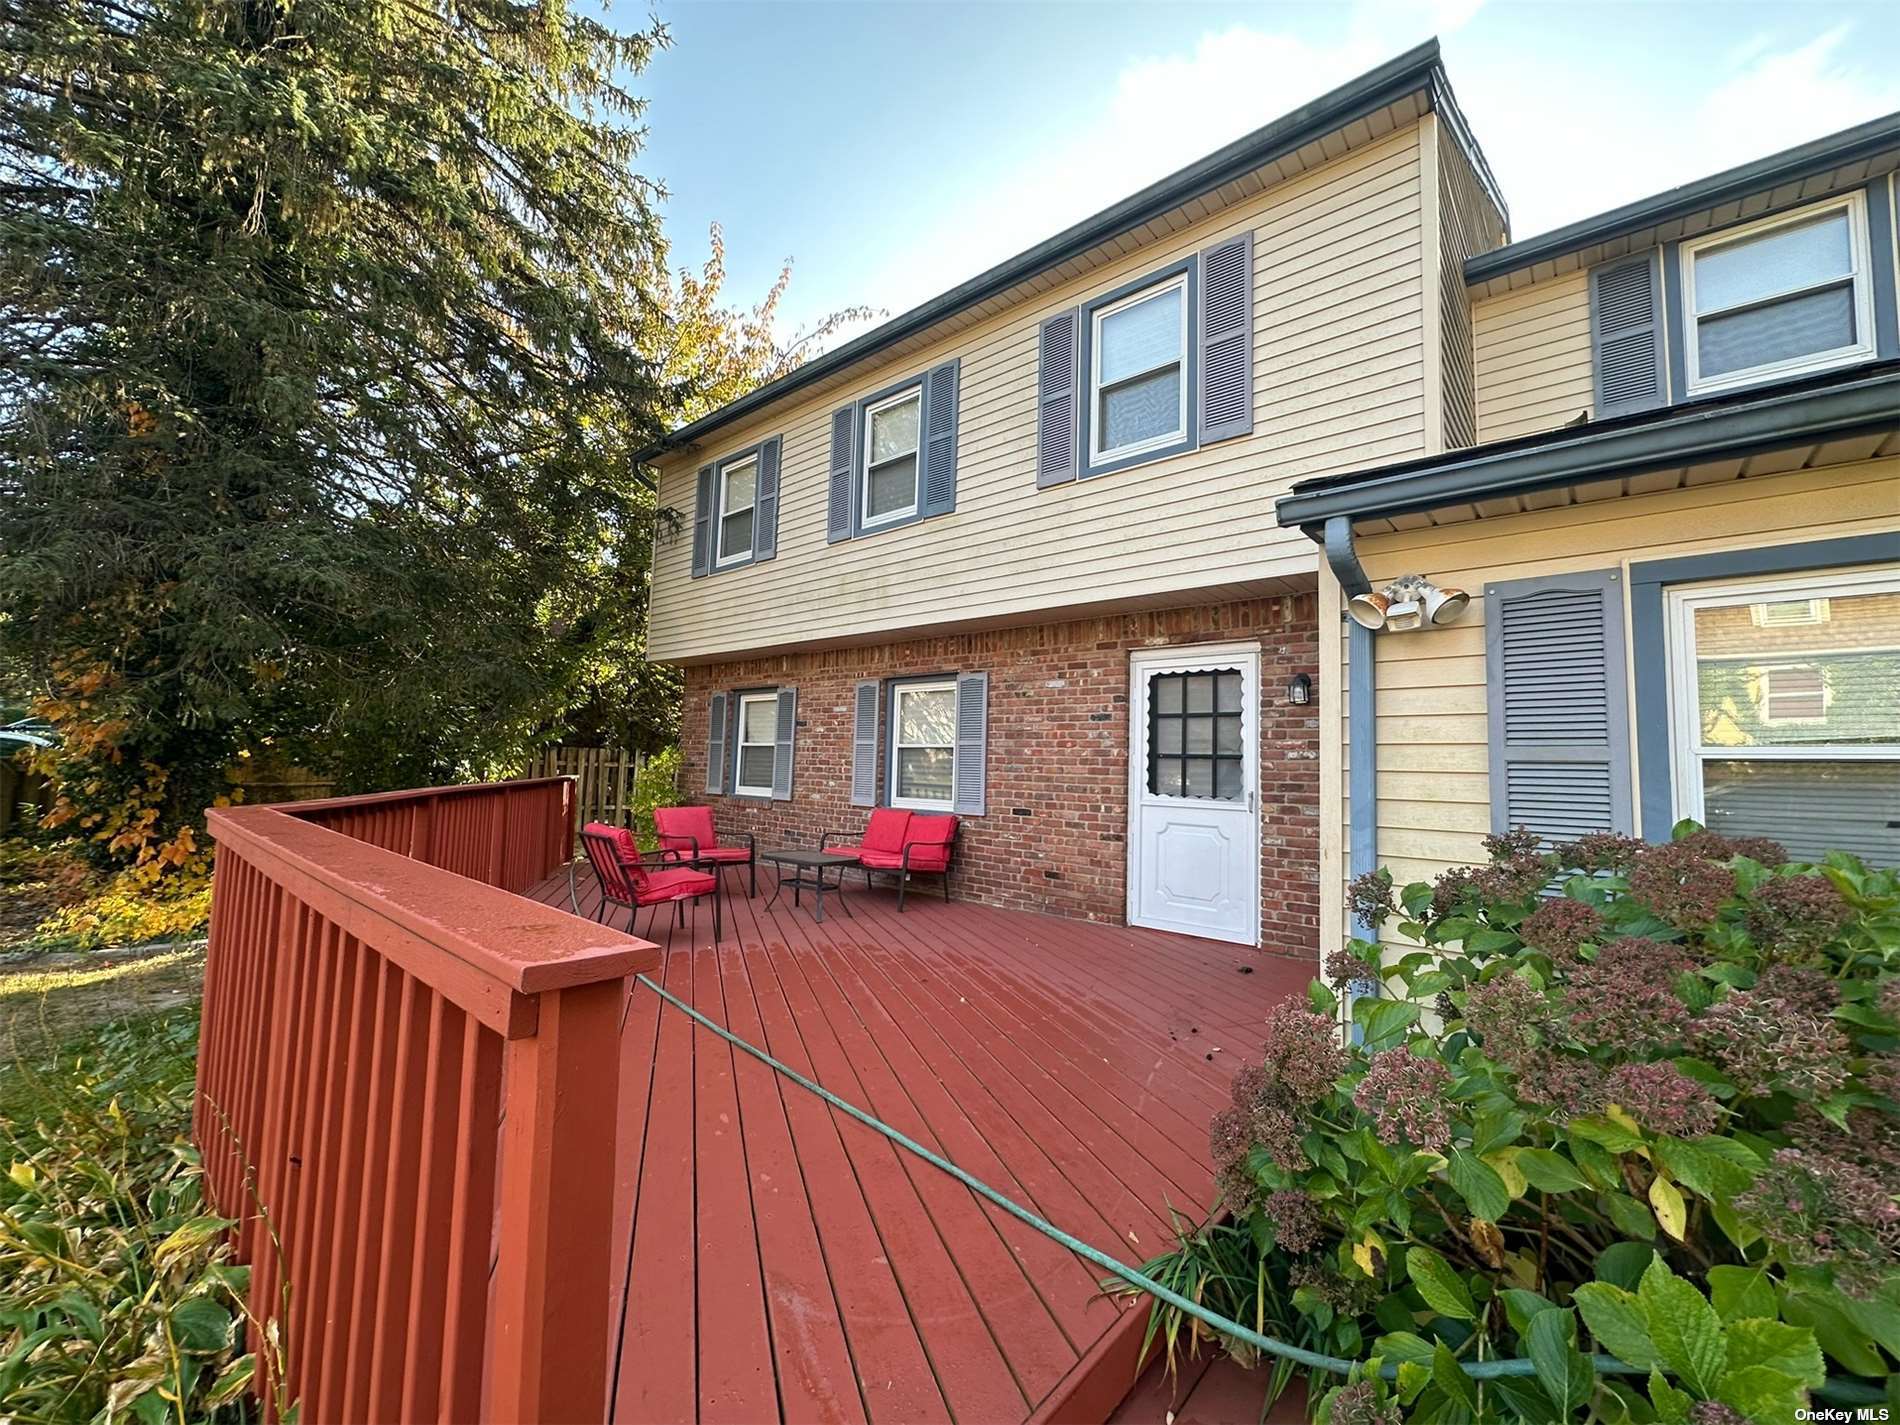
(1649, 641)
(1881, 261)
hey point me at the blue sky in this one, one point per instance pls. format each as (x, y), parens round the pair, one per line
(892, 150)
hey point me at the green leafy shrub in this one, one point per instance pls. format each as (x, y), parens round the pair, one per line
(117, 1296)
(1630, 1100)
(127, 910)
(656, 784)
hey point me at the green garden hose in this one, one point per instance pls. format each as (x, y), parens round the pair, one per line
(1853, 1392)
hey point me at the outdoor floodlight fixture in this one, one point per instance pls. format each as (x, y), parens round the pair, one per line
(1410, 602)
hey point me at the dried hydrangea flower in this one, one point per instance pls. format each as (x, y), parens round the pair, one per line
(1302, 1051)
(1624, 999)
(1680, 885)
(1360, 1405)
(1792, 918)
(1369, 897)
(1561, 928)
(1517, 878)
(1601, 851)
(1402, 1093)
(1664, 1099)
(1763, 1043)
(1298, 1224)
(1344, 968)
(1717, 847)
(1508, 845)
(1563, 1083)
(1822, 1211)
(1713, 1412)
(1809, 990)
(1450, 891)
(1506, 1015)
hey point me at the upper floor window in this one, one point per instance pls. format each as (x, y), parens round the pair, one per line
(1138, 388)
(738, 500)
(893, 431)
(1782, 297)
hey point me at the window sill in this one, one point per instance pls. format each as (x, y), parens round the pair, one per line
(1140, 458)
(1773, 376)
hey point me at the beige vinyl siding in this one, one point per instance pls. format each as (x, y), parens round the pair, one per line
(1531, 353)
(1432, 753)
(1338, 385)
(1468, 224)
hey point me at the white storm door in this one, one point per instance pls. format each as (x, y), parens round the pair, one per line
(1194, 832)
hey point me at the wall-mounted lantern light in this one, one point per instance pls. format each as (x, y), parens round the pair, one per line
(1407, 603)
(1299, 690)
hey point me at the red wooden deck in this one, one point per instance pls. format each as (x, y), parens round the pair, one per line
(788, 1263)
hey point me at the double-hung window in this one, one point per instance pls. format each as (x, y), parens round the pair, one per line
(1783, 297)
(923, 744)
(1137, 377)
(893, 433)
(1785, 698)
(756, 759)
(738, 502)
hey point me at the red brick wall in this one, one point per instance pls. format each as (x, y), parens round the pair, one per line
(1054, 838)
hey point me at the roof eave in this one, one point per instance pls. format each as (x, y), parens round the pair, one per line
(1776, 421)
(1376, 88)
(1849, 146)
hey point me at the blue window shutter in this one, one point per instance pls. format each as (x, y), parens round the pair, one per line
(765, 511)
(1225, 400)
(716, 745)
(1557, 698)
(973, 736)
(1626, 335)
(1058, 400)
(864, 746)
(702, 523)
(843, 464)
(938, 493)
(783, 736)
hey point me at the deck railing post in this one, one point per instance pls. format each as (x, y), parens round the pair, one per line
(549, 1336)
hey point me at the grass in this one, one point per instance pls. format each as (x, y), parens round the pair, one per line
(118, 1298)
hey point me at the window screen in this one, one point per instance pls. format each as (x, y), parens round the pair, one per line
(1194, 735)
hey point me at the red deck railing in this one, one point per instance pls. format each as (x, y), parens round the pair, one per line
(406, 1097)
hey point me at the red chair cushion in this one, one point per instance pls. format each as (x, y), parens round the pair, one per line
(622, 839)
(726, 854)
(679, 827)
(676, 885)
(880, 860)
(836, 849)
(887, 829)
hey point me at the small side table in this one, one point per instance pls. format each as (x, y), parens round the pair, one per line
(808, 874)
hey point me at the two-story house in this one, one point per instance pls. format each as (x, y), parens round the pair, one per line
(1679, 532)
(1016, 553)
(1013, 554)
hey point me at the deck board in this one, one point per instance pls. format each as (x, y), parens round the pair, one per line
(788, 1263)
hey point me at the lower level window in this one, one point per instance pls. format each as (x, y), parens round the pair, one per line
(758, 744)
(923, 744)
(1786, 698)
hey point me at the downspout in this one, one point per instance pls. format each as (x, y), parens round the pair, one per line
(1361, 715)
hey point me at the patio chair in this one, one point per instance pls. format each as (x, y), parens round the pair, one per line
(626, 880)
(687, 835)
(902, 844)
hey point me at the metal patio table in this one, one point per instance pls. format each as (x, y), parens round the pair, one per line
(808, 874)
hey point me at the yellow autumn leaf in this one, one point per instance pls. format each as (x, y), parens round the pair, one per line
(1619, 1115)
(1364, 1250)
(1666, 1198)
(1504, 1164)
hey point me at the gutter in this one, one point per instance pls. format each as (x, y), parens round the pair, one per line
(1772, 422)
(1362, 721)
(1416, 69)
(1836, 150)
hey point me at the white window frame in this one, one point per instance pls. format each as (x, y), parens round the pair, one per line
(1685, 730)
(739, 787)
(1097, 452)
(724, 558)
(865, 519)
(898, 693)
(1855, 206)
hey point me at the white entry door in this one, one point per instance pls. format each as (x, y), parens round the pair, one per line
(1193, 780)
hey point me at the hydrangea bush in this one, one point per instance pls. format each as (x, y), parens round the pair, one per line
(1629, 1100)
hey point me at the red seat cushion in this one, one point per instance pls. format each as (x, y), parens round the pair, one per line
(725, 854)
(929, 838)
(836, 849)
(679, 827)
(886, 830)
(676, 885)
(881, 860)
(622, 839)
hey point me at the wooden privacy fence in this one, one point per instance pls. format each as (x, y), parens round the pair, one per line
(603, 779)
(407, 1087)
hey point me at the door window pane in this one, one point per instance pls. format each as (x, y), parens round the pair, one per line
(1196, 747)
